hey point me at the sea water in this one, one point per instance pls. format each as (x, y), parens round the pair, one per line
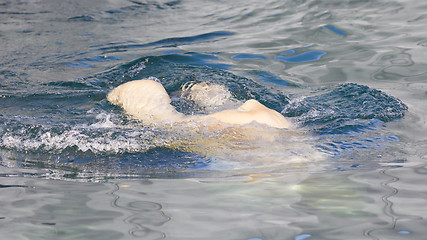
(350, 75)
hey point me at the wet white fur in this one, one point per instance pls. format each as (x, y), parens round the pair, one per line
(148, 101)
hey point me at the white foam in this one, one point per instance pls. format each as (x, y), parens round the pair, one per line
(104, 121)
(94, 139)
(206, 94)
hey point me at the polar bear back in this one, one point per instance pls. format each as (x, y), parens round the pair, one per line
(252, 111)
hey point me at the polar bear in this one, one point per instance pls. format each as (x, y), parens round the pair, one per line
(148, 101)
(269, 137)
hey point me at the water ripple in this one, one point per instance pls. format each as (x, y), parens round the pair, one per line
(144, 216)
(176, 41)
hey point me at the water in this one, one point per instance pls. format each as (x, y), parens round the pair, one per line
(349, 74)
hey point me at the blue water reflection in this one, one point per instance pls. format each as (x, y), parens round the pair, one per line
(336, 30)
(302, 236)
(308, 56)
(245, 56)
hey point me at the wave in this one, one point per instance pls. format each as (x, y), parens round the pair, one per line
(73, 122)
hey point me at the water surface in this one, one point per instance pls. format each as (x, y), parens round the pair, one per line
(349, 74)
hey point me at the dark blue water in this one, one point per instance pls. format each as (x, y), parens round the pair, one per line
(350, 75)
